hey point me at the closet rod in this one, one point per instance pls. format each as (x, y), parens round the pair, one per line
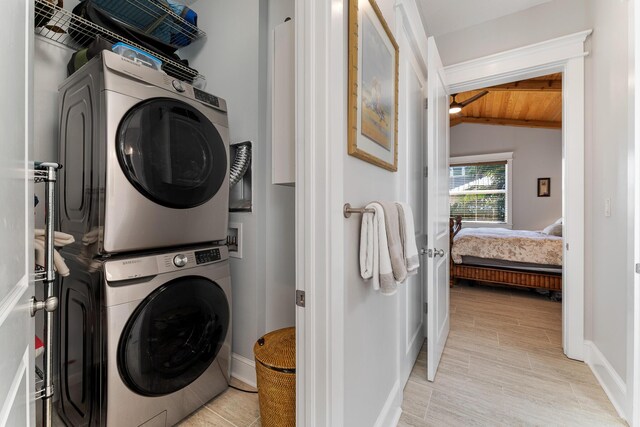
(348, 210)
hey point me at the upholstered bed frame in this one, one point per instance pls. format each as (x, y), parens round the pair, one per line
(503, 276)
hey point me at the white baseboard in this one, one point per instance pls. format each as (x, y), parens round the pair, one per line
(391, 411)
(243, 369)
(613, 385)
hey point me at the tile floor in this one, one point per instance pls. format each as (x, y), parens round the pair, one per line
(503, 365)
(232, 408)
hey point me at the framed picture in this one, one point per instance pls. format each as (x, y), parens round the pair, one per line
(544, 187)
(373, 86)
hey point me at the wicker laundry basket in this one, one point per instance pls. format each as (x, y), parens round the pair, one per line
(275, 355)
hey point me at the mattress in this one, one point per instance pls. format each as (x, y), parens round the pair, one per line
(522, 246)
(511, 265)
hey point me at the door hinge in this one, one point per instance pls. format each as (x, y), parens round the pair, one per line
(426, 307)
(426, 103)
(426, 171)
(300, 298)
(638, 268)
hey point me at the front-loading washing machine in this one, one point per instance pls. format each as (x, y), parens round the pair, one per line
(145, 159)
(144, 340)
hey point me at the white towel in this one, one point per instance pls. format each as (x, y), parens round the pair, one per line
(59, 239)
(394, 241)
(58, 262)
(408, 237)
(375, 262)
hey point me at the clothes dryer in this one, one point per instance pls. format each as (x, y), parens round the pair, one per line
(143, 339)
(146, 159)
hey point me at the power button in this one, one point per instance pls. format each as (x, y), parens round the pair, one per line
(180, 260)
(177, 85)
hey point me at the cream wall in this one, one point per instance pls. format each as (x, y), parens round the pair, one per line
(537, 153)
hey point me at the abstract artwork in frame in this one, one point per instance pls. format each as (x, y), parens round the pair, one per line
(373, 86)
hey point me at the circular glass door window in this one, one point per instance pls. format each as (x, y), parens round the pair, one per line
(171, 153)
(173, 336)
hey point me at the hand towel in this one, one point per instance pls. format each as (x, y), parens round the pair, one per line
(408, 237)
(58, 262)
(396, 251)
(59, 238)
(375, 263)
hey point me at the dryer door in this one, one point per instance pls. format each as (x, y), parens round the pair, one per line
(171, 153)
(173, 336)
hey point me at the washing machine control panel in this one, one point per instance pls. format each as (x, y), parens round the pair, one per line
(151, 265)
(208, 255)
(206, 97)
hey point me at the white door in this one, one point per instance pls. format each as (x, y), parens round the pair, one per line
(438, 210)
(17, 406)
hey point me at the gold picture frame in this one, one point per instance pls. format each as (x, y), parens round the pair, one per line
(373, 87)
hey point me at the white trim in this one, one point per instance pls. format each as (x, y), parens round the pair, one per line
(508, 66)
(243, 369)
(11, 300)
(566, 55)
(481, 158)
(10, 398)
(611, 382)
(320, 33)
(633, 319)
(391, 410)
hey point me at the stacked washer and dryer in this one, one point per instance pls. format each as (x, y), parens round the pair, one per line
(145, 316)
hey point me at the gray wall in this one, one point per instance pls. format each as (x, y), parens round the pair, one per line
(537, 153)
(236, 58)
(606, 145)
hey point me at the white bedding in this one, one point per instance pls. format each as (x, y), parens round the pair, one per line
(509, 245)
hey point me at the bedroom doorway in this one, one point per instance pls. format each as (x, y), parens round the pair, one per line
(506, 192)
(564, 55)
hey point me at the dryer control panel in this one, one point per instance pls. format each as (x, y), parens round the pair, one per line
(207, 255)
(151, 265)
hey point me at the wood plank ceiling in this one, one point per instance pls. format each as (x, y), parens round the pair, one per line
(535, 102)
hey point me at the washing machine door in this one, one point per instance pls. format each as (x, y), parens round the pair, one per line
(173, 336)
(171, 153)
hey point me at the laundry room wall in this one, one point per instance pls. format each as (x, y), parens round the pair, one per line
(537, 153)
(235, 58)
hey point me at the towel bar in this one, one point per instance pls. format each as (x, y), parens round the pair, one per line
(348, 210)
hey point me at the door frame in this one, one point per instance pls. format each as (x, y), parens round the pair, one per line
(320, 121)
(566, 55)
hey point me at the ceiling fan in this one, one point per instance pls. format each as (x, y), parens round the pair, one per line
(456, 106)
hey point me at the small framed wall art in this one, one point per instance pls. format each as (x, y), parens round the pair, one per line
(544, 187)
(373, 87)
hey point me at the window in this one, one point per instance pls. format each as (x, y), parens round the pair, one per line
(479, 188)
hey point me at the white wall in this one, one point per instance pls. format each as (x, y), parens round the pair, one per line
(537, 153)
(606, 178)
(377, 328)
(235, 58)
(607, 260)
(545, 21)
(280, 208)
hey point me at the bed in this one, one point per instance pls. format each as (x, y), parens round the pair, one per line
(519, 258)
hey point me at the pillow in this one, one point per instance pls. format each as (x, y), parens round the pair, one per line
(554, 229)
(559, 221)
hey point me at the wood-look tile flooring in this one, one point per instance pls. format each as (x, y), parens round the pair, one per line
(232, 408)
(503, 365)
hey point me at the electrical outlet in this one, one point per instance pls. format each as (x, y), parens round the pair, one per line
(234, 239)
(607, 207)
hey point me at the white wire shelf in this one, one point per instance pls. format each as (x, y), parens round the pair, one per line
(57, 23)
